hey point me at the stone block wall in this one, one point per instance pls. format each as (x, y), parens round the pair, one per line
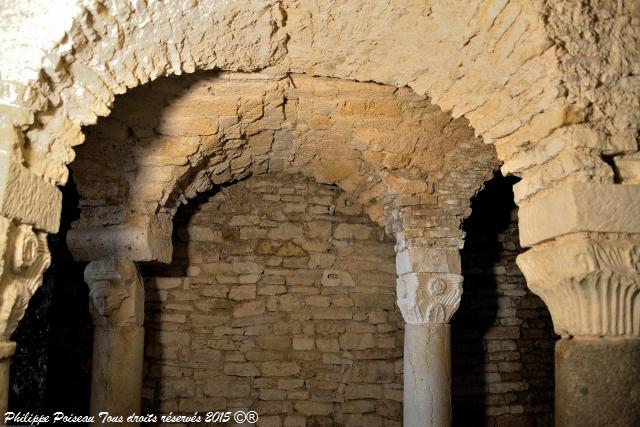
(280, 298)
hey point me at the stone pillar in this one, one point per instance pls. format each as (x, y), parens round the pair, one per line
(427, 374)
(427, 301)
(117, 308)
(591, 285)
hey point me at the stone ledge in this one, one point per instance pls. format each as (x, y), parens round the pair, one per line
(580, 207)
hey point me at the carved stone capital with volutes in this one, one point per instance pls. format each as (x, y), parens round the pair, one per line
(589, 282)
(26, 257)
(116, 292)
(428, 297)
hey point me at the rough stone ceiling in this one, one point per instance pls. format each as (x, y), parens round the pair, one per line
(171, 139)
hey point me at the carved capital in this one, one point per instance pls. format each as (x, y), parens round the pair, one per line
(116, 292)
(26, 256)
(591, 285)
(428, 297)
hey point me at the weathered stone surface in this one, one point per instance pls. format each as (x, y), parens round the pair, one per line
(281, 340)
(427, 366)
(580, 207)
(588, 373)
(26, 198)
(428, 298)
(138, 243)
(589, 284)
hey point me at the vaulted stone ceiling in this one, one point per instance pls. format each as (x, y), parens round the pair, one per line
(171, 139)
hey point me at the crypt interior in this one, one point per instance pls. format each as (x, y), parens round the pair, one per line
(341, 214)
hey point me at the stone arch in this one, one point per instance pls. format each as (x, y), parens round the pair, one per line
(107, 49)
(390, 148)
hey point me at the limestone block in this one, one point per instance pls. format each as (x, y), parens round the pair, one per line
(286, 231)
(249, 309)
(352, 231)
(314, 408)
(228, 387)
(351, 341)
(330, 345)
(426, 260)
(150, 242)
(242, 292)
(274, 343)
(334, 278)
(198, 233)
(302, 343)
(358, 407)
(628, 168)
(241, 369)
(208, 319)
(176, 387)
(363, 391)
(318, 230)
(579, 207)
(399, 183)
(279, 368)
(27, 198)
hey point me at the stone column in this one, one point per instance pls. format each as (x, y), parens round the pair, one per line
(117, 308)
(427, 301)
(590, 282)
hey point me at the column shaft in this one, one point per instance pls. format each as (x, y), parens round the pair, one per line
(116, 372)
(427, 375)
(597, 382)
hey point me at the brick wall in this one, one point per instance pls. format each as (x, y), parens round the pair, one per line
(281, 298)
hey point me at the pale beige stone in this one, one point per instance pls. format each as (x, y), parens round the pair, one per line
(242, 292)
(579, 207)
(249, 309)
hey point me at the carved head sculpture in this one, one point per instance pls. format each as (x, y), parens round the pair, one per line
(114, 290)
(107, 296)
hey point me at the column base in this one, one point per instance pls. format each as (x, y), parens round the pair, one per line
(597, 382)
